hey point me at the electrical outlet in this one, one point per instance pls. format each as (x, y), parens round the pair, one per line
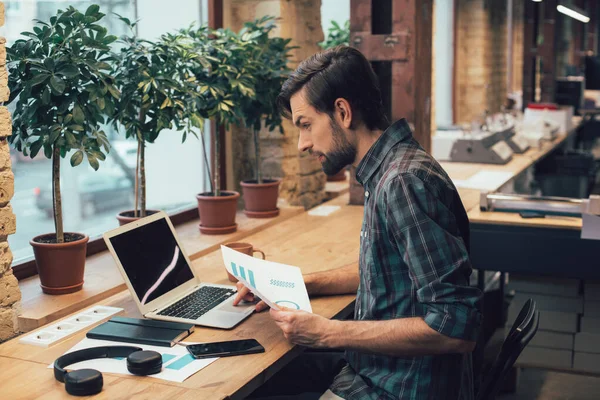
(49, 335)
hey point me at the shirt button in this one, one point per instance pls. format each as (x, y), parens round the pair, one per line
(367, 193)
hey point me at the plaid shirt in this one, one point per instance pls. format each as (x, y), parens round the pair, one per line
(414, 262)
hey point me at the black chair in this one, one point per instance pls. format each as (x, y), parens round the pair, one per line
(522, 331)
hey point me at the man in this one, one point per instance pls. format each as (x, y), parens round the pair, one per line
(416, 318)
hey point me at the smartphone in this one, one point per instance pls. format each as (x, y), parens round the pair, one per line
(225, 349)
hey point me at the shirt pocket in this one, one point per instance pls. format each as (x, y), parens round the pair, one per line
(371, 253)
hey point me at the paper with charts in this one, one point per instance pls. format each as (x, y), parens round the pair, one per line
(178, 363)
(277, 284)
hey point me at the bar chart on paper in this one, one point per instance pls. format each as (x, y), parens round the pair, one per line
(279, 285)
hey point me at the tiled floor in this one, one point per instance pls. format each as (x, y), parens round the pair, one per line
(537, 384)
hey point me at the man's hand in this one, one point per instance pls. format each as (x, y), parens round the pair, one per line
(243, 293)
(303, 328)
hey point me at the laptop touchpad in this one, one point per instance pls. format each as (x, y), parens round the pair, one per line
(228, 306)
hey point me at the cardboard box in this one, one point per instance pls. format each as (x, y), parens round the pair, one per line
(543, 357)
(591, 290)
(544, 285)
(586, 362)
(587, 343)
(551, 303)
(549, 320)
(591, 308)
(590, 325)
(553, 340)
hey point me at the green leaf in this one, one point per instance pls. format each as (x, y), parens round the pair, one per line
(77, 128)
(93, 161)
(46, 96)
(35, 147)
(36, 80)
(78, 115)
(92, 10)
(68, 71)
(48, 150)
(57, 84)
(114, 92)
(76, 158)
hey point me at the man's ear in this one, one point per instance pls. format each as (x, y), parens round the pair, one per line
(343, 112)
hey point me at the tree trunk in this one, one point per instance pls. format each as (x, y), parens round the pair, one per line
(56, 199)
(206, 163)
(257, 155)
(136, 186)
(216, 175)
(143, 179)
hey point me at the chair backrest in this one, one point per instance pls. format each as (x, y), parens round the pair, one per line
(522, 331)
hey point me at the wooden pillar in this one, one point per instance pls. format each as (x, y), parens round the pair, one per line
(539, 59)
(396, 36)
(591, 41)
(408, 48)
(547, 50)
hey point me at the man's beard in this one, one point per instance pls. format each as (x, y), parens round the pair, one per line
(343, 153)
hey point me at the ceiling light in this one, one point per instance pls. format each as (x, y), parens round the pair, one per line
(574, 12)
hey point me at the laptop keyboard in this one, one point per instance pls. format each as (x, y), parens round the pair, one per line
(198, 303)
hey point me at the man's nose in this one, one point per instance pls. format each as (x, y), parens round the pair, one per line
(304, 142)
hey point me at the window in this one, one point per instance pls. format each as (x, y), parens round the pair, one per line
(175, 172)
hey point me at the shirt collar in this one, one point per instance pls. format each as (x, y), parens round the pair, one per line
(396, 133)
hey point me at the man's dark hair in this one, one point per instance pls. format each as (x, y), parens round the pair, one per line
(340, 72)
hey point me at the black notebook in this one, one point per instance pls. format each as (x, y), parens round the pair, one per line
(142, 331)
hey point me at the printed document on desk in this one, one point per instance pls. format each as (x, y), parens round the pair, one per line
(278, 285)
(178, 363)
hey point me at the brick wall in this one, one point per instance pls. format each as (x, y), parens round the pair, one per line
(518, 45)
(10, 295)
(480, 58)
(303, 180)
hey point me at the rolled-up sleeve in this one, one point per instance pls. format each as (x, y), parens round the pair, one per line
(425, 231)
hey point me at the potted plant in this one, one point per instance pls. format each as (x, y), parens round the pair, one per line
(337, 36)
(224, 75)
(62, 91)
(270, 58)
(158, 92)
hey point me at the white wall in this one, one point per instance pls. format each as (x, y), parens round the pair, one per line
(443, 44)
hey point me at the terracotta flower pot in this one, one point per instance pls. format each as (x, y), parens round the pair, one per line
(340, 176)
(217, 213)
(261, 199)
(126, 217)
(60, 265)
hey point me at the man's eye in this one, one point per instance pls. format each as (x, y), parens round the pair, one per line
(306, 126)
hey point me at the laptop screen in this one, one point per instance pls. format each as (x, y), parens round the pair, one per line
(152, 260)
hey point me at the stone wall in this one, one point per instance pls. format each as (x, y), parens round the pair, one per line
(303, 180)
(10, 295)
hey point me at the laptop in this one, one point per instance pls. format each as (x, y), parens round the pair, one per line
(159, 276)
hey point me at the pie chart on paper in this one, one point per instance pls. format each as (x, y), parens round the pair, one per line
(288, 304)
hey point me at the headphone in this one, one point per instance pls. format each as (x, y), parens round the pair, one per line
(85, 382)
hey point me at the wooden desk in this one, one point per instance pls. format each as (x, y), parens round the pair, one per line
(102, 279)
(518, 164)
(298, 241)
